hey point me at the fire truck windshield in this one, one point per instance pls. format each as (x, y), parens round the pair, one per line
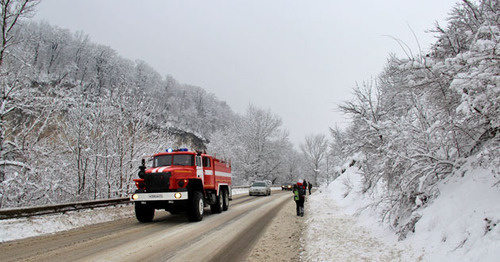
(176, 160)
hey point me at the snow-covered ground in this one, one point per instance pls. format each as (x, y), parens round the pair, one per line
(462, 224)
(453, 228)
(11, 229)
(334, 234)
(17, 228)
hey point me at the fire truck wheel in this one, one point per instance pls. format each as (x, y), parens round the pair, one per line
(143, 213)
(225, 199)
(217, 207)
(195, 210)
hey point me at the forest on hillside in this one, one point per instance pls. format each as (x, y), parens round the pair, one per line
(77, 118)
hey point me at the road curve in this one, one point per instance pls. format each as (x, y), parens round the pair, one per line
(228, 236)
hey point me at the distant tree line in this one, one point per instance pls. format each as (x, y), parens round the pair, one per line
(259, 148)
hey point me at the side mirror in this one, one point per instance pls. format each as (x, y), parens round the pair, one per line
(142, 169)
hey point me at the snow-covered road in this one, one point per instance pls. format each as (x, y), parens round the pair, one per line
(329, 233)
(228, 236)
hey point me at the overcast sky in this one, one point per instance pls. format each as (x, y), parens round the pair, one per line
(299, 59)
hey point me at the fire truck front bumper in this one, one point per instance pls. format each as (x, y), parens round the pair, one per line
(161, 196)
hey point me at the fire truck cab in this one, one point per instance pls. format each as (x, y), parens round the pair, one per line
(182, 181)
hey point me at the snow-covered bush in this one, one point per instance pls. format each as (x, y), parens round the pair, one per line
(427, 115)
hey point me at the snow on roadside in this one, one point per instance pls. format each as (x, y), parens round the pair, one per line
(334, 235)
(18, 228)
(461, 224)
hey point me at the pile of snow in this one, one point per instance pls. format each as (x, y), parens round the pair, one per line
(461, 224)
(238, 191)
(335, 232)
(334, 235)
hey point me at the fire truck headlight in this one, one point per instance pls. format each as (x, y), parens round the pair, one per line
(177, 195)
(135, 196)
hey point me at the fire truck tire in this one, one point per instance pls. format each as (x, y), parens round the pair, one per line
(143, 213)
(225, 200)
(217, 207)
(195, 209)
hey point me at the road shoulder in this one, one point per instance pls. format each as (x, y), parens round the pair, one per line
(281, 240)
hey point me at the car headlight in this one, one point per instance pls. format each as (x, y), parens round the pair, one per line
(177, 195)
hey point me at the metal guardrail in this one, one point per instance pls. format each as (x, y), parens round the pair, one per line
(236, 187)
(59, 208)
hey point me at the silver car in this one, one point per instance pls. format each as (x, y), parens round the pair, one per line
(260, 188)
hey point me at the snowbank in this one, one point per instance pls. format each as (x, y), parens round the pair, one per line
(335, 235)
(462, 224)
(17, 228)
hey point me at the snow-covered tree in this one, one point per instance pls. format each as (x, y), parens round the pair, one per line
(414, 125)
(315, 151)
(11, 82)
(257, 146)
(77, 117)
(263, 141)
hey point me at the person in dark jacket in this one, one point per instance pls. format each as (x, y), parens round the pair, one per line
(299, 195)
(309, 186)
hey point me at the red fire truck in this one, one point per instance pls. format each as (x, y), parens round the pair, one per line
(182, 181)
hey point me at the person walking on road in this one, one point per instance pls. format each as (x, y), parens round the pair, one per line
(299, 195)
(309, 186)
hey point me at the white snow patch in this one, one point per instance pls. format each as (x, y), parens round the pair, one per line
(461, 224)
(335, 233)
(18, 228)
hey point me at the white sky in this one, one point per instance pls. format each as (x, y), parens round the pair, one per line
(298, 58)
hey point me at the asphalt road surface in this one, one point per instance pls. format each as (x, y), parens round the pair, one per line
(228, 236)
